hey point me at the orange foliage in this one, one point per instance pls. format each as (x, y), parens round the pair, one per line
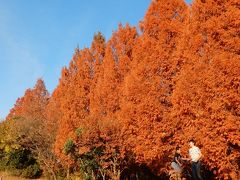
(206, 98)
(32, 105)
(74, 105)
(138, 96)
(148, 88)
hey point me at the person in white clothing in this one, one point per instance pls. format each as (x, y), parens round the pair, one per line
(195, 156)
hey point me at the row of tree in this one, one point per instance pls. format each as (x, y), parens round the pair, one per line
(126, 103)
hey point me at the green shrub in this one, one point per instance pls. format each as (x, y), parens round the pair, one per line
(69, 146)
(32, 171)
(19, 159)
(20, 163)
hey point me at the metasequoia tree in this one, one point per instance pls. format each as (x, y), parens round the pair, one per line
(206, 97)
(148, 87)
(75, 105)
(98, 53)
(32, 104)
(116, 65)
(29, 128)
(101, 129)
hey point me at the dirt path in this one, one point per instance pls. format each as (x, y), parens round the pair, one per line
(6, 176)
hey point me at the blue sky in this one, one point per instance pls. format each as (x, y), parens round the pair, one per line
(38, 38)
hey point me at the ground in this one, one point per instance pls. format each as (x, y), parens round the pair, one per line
(6, 176)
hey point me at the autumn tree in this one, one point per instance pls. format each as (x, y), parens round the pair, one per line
(29, 128)
(148, 87)
(32, 104)
(206, 97)
(75, 105)
(101, 129)
(98, 53)
(131, 100)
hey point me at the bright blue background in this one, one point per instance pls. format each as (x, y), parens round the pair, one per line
(38, 37)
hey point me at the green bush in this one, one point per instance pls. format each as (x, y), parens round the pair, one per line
(32, 171)
(61, 174)
(19, 159)
(20, 163)
(69, 146)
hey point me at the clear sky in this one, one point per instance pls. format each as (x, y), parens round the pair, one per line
(38, 38)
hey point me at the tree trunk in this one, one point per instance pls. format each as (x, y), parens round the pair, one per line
(68, 172)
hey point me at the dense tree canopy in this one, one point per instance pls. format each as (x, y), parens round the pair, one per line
(126, 103)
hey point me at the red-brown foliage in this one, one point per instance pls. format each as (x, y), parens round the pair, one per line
(32, 105)
(206, 97)
(138, 96)
(148, 88)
